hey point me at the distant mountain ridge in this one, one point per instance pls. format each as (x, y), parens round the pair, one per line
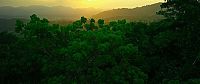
(55, 12)
(8, 14)
(144, 13)
(66, 15)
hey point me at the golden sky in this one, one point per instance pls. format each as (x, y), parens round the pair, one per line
(102, 4)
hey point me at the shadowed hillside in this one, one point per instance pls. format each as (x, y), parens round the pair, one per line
(66, 15)
(145, 13)
(52, 13)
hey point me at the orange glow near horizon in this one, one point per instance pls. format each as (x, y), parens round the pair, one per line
(102, 4)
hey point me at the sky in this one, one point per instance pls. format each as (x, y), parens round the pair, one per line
(102, 4)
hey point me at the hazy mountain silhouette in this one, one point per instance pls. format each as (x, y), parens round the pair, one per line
(8, 24)
(55, 12)
(8, 14)
(64, 15)
(145, 13)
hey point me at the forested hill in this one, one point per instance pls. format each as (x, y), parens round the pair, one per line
(65, 15)
(145, 13)
(55, 12)
(88, 51)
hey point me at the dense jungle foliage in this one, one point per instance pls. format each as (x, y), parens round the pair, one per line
(92, 52)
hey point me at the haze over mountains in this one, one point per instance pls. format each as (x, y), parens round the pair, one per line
(55, 12)
(9, 14)
(60, 12)
(145, 13)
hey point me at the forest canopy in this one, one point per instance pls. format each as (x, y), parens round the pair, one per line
(91, 51)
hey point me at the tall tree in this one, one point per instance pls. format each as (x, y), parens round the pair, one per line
(182, 36)
(100, 23)
(83, 20)
(92, 20)
(19, 26)
(186, 10)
